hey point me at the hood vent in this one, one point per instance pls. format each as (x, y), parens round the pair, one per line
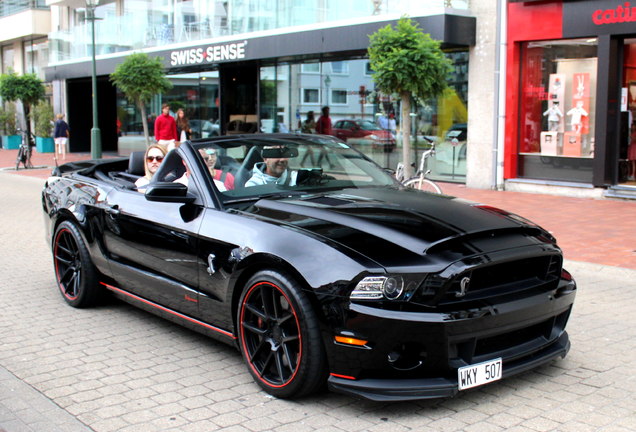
(329, 201)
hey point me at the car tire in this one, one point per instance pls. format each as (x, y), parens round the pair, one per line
(279, 336)
(75, 272)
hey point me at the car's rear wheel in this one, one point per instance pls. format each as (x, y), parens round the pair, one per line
(279, 336)
(74, 271)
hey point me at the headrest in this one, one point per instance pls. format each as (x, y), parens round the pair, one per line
(136, 163)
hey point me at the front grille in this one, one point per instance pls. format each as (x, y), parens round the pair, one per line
(521, 336)
(515, 343)
(492, 280)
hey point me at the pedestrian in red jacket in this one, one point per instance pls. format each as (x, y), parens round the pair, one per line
(166, 128)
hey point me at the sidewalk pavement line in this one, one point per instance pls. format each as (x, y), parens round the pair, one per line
(42, 414)
(6, 175)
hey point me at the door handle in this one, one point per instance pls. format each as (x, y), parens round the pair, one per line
(112, 210)
(211, 270)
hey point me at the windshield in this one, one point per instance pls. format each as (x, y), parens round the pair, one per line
(367, 125)
(248, 168)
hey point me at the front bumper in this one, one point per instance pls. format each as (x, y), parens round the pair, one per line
(428, 388)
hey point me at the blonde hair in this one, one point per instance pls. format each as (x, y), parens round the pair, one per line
(163, 151)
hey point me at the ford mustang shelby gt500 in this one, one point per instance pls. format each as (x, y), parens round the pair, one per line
(336, 276)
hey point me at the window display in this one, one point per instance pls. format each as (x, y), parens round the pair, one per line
(557, 109)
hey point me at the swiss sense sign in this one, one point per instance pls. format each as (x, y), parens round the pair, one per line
(589, 18)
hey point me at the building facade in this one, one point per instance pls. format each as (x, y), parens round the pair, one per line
(255, 65)
(571, 81)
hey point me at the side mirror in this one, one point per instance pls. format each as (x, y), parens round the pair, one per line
(168, 192)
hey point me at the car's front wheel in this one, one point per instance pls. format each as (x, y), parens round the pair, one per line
(279, 336)
(75, 273)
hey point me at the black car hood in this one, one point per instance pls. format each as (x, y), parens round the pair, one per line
(400, 227)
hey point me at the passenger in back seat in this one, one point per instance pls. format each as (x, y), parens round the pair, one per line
(154, 156)
(226, 178)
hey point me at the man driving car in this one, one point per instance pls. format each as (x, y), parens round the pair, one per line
(273, 169)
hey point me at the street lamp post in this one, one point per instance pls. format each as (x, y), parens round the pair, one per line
(96, 139)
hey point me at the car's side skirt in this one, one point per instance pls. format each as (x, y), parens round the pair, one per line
(172, 315)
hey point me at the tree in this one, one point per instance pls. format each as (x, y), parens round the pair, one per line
(140, 78)
(27, 88)
(410, 63)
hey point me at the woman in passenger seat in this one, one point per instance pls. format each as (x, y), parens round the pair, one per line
(154, 156)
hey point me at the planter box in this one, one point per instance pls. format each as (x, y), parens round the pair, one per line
(44, 144)
(13, 142)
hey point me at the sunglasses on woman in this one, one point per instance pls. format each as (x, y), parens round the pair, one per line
(157, 158)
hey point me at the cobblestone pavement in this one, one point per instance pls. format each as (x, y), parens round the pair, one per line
(116, 368)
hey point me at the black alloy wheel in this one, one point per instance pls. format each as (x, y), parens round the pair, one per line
(279, 336)
(75, 273)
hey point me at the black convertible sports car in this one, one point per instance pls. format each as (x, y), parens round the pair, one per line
(338, 276)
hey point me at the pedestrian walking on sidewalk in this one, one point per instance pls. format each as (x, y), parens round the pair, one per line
(61, 134)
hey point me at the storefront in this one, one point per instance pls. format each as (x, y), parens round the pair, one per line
(269, 83)
(571, 85)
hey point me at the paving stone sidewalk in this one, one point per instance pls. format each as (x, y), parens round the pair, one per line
(116, 368)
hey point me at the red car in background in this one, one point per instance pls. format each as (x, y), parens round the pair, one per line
(365, 133)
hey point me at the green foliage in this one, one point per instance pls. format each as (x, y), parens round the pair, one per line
(140, 78)
(43, 118)
(404, 59)
(176, 105)
(7, 119)
(27, 88)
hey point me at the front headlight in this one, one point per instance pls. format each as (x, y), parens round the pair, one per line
(377, 287)
(373, 137)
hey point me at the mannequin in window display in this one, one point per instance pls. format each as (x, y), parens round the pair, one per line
(577, 114)
(554, 117)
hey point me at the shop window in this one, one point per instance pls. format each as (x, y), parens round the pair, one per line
(339, 97)
(7, 59)
(556, 112)
(310, 96)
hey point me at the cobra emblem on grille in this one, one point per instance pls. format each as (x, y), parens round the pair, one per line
(463, 287)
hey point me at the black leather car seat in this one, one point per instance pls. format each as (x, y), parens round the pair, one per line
(136, 163)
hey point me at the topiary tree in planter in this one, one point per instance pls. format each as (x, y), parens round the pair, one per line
(140, 78)
(43, 120)
(27, 88)
(408, 62)
(11, 139)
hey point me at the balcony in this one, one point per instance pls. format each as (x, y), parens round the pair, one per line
(24, 19)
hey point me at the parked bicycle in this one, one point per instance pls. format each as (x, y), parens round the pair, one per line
(420, 180)
(25, 150)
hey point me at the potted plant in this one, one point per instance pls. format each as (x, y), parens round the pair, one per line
(27, 88)
(43, 119)
(11, 139)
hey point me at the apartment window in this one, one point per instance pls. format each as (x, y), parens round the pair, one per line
(340, 67)
(311, 68)
(367, 69)
(310, 96)
(339, 97)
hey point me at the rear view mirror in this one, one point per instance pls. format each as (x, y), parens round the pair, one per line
(279, 152)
